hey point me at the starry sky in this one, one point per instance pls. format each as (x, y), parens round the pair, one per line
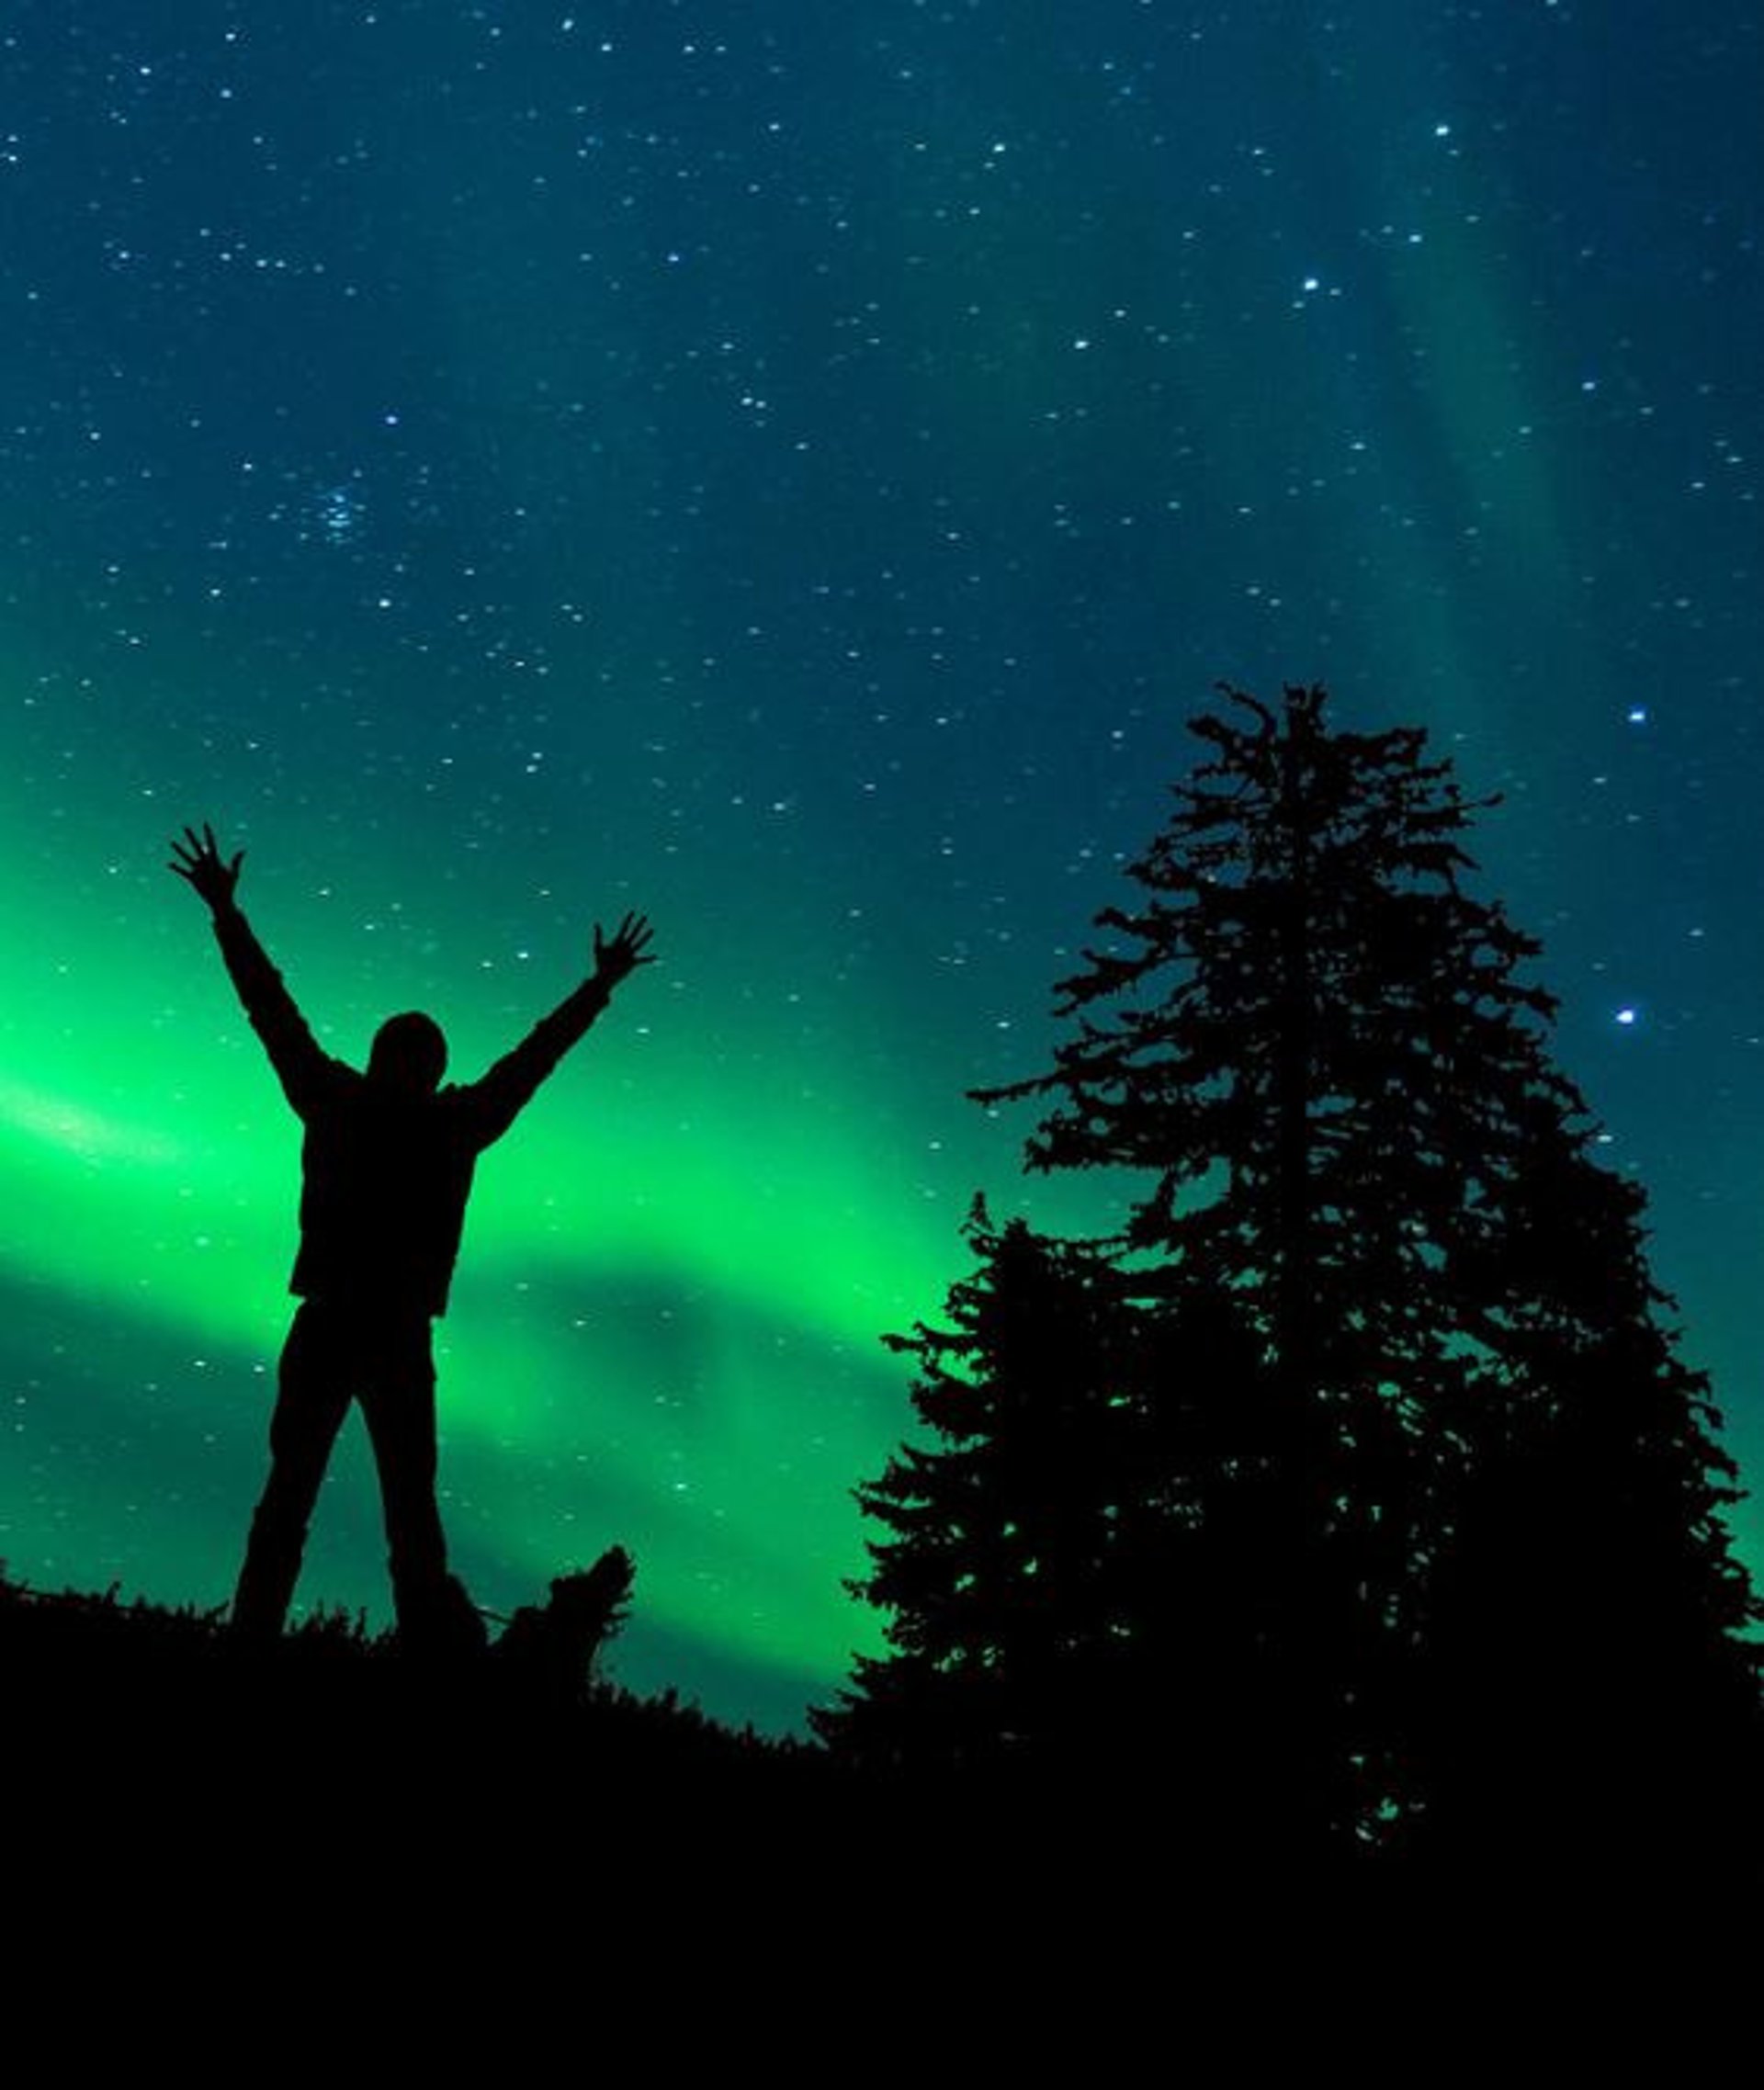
(792, 468)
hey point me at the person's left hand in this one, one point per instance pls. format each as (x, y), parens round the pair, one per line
(617, 956)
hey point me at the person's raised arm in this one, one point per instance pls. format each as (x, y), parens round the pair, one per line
(300, 1065)
(499, 1097)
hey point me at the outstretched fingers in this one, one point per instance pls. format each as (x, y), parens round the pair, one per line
(196, 859)
(625, 949)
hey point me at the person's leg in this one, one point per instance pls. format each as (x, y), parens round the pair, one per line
(399, 1404)
(311, 1400)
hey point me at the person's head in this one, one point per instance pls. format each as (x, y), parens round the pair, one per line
(410, 1055)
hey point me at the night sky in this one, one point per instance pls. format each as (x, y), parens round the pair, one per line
(791, 467)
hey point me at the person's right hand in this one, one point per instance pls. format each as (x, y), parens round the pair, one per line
(197, 861)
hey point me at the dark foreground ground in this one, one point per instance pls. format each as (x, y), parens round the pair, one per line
(330, 1810)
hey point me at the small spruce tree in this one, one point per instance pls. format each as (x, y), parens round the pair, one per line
(1001, 1575)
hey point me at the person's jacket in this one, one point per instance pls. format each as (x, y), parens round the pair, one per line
(385, 1175)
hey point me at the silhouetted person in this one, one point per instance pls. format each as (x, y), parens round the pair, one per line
(386, 1168)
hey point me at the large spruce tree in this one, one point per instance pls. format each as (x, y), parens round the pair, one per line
(1369, 1380)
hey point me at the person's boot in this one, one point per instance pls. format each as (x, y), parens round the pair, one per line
(439, 1621)
(265, 1587)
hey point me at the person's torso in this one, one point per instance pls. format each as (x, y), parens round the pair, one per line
(383, 1191)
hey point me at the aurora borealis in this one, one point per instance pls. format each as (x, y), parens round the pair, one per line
(790, 468)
